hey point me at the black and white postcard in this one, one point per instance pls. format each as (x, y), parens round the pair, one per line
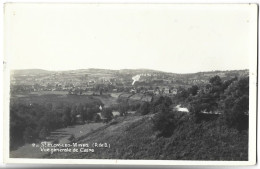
(162, 84)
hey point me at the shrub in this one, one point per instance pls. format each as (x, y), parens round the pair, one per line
(123, 108)
(43, 133)
(97, 118)
(107, 114)
(164, 122)
(29, 135)
(113, 122)
(144, 109)
(160, 102)
(71, 138)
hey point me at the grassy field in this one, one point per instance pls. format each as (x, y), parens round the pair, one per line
(56, 98)
(132, 137)
(106, 100)
(49, 93)
(62, 97)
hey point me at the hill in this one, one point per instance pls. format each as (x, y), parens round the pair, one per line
(127, 71)
(82, 77)
(29, 71)
(132, 137)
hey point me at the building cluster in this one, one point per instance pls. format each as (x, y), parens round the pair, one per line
(78, 82)
(161, 90)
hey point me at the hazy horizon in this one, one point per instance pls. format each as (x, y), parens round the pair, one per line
(164, 37)
(123, 69)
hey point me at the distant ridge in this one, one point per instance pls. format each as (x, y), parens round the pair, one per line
(30, 71)
(131, 71)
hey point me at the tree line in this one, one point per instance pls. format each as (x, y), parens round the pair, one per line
(227, 101)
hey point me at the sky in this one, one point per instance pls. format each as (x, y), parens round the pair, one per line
(165, 37)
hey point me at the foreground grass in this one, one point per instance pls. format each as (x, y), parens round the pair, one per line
(132, 137)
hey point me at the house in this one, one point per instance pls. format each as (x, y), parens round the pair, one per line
(157, 91)
(166, 90)
(114, 90)
(181, 109)
(91, 83)
(115, 113)
(174, 91)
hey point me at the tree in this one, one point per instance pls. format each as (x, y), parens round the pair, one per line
(90, 113)
(101, 91)
(182, 94)
(208, 100)
(80, 91)
(97, 118)
(193, 90)
(107, 114)
(123, 108)
(145, 108)
(73, 114)
(236, 104)
(216, 81)
(29, 135)
(43, 133)
(164, 122)
(162, 100)
(80, 109)
(228, 82)
(66, 118)
(159, 102)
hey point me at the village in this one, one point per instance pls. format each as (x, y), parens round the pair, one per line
(98, 81)
(80, 82)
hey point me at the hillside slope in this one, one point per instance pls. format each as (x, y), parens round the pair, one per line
(132, 137)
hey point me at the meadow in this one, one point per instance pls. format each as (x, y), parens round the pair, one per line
(133, 137)
(56, 98)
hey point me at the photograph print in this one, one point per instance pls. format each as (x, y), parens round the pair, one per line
(116, 82)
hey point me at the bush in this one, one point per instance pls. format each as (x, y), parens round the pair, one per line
(97, 118)
(144, 109)
(160, 102)
(29, 135)
(123, 108)
(107, 114)
(43, 133)
(164, 122)
(71, 138)
(113, 122)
